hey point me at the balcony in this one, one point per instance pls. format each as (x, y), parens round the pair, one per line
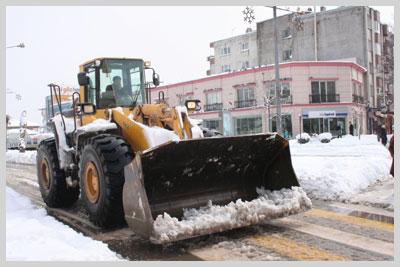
(213, 107)
(330, 98)
(245, 103)
(358, 99)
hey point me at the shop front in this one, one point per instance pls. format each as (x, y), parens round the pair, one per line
(332, 120)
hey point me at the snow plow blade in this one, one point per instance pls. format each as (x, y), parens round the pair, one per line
(188, 174)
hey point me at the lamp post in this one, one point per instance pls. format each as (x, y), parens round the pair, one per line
(21, 45)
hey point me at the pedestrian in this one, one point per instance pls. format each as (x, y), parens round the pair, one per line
(339, 131)
(286, 134)
(377, 130)
(391, 149)
(351, 129)
(383, 135)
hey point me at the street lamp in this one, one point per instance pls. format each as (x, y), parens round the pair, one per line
(21, 45)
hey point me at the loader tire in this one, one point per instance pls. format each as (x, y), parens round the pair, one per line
(52, 184)
(101, 170)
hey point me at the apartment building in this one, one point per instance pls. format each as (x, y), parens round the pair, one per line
(316, 97)
(234, 53)
(341, 33)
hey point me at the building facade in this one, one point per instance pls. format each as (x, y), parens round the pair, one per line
(234, 54)
(337, 34)
(316, 97)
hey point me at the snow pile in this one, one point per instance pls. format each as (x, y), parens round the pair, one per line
(32, 235)
(324, 136)
(14, 156)
(215, 218)
(303, 136)
(341, 168)
(98, 125)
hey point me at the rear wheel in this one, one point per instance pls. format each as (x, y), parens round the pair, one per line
(52, 184)
(101, 167)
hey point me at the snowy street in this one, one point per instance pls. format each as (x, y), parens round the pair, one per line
(351, 218)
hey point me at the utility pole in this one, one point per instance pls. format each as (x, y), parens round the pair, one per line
(315, 34)
(277, 80)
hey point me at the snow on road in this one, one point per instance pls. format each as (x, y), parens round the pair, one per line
(341, 168)
(28, 157)
(32, 235)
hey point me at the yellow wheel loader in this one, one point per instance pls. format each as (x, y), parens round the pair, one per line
(139, 162)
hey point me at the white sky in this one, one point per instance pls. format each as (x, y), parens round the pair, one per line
(58, 39)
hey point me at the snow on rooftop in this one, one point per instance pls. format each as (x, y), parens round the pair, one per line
(341, 168)
(32, 235)
(215, 218)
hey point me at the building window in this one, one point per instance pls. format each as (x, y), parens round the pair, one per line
(213, 101)
(287, 55)
(376, 37)
(323, 91)
(226, 68)
(225, 51)
(286, 123)
(249, 125)
(286, 97)
(245, 98)
(212, 124)
(245, 65)
(357, 93)
(286, 33)
(245, 47)
(369, 35)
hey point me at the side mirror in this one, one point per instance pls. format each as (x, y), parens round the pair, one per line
(83, 79)
(156, 79)
(192, 105)
(87, 108)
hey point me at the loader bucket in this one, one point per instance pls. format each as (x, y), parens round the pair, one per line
(190, 173)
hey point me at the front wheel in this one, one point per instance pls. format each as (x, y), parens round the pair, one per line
(52, 184)
(102, 163)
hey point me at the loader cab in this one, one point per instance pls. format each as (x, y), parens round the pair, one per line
(110, 82)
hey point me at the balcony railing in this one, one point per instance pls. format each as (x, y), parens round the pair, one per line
(358, 99)
(330, 98)
(245, 103)
(212, 107)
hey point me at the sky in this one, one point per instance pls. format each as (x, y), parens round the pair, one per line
(58, 39)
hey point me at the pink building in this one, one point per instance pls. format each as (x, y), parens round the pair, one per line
(322, 96)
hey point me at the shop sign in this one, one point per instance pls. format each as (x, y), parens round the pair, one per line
(322, 114)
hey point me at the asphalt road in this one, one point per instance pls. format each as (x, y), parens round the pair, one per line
(330, 231)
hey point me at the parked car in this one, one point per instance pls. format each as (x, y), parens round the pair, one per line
(32, 138)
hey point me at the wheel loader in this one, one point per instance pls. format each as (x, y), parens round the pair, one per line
(131, 161)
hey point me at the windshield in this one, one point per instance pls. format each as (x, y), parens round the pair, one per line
(121, 83)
